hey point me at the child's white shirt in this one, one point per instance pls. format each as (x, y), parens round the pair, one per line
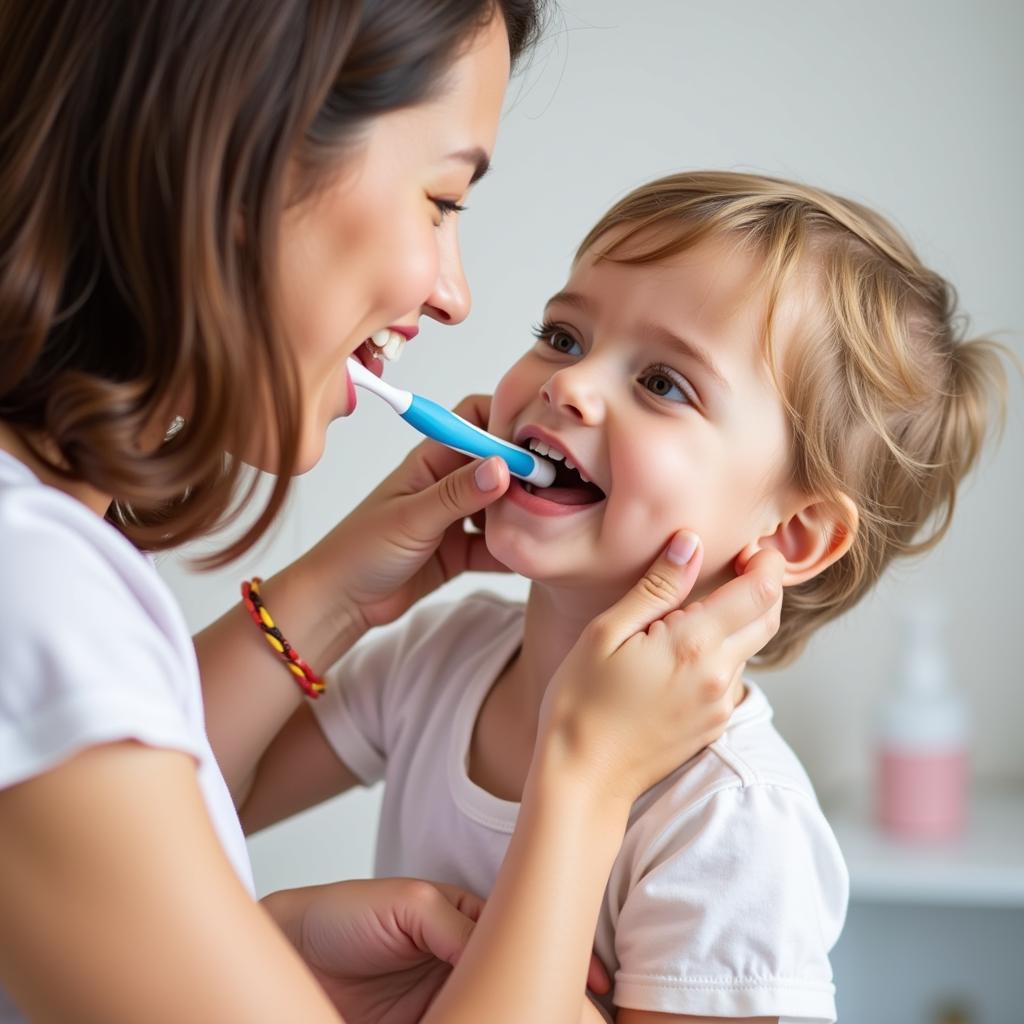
(729, 890)
(95, 650)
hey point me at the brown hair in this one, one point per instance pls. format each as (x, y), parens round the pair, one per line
(887, 403)
(139, 140)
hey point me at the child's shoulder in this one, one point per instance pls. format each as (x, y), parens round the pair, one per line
(474, 618)
(442, 640)
(751, 752)
(748, 781)
(730, 885)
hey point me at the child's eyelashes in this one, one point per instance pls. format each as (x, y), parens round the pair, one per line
(557, 339)
(664, 382)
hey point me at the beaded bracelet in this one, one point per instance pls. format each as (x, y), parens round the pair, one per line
(312, 685)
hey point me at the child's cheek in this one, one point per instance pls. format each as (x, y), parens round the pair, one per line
(511, 395)
(500, 419)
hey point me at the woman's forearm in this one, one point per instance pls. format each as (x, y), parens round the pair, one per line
(529, 953)
(248, 694)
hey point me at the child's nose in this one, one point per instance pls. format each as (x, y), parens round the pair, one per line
(574, 391)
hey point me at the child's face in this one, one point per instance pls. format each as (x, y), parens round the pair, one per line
(672, 439)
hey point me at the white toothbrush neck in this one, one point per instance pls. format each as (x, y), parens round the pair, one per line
(398, 399)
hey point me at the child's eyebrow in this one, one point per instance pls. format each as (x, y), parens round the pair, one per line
(655, 332)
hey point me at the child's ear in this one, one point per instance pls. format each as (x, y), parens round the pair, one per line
(811, 539)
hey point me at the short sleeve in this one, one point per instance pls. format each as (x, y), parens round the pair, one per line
(87, 659)
(350, 711)
(734, 910)
(358, 712)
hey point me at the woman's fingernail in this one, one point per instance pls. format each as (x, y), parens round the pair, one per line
(487, 475)
(681, 550)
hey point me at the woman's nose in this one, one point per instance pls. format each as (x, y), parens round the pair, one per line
(575, 391)
(449, 302)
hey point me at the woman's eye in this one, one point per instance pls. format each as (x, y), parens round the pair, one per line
(665, 383)
(447, 206)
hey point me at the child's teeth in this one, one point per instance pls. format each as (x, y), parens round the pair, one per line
(552, 453)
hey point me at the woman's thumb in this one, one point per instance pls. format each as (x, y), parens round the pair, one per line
(662, 589)
(460, 494)
(445, 932)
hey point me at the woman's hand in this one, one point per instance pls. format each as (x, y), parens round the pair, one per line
(379, 949)
(649, 684)
(408, 537)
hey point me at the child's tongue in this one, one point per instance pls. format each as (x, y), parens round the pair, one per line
(568, 488)
(568, 495)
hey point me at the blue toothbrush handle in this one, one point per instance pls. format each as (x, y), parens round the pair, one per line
(445, 426)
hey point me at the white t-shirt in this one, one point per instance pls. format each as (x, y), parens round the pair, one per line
(95, 650)
(729, 890)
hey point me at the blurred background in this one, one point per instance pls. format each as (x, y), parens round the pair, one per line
(913, 108)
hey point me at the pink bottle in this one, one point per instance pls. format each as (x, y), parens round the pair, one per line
(922, 742)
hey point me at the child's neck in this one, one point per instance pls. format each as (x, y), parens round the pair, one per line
(554, 619)
(506, 725)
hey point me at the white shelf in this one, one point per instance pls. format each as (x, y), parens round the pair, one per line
(983, 868)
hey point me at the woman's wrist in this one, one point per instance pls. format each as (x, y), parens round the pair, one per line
(331, 623)
(529, 954)
(561, 775)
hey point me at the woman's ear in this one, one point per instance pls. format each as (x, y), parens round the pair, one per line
(810, 539)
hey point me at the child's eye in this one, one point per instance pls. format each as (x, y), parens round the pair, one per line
(664, 382)
(558, 339)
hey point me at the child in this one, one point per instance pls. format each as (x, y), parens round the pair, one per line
(767, 365)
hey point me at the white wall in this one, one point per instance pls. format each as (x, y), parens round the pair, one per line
(911, 107)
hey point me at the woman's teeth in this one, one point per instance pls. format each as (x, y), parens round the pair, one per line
(551, 452)
(388, 344)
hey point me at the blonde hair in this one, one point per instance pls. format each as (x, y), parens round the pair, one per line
(887, 403)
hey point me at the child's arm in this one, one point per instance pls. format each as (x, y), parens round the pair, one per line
(299, 769)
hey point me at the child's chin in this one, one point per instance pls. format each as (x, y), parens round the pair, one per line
(521, 553)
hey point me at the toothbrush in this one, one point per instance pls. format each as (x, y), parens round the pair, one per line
(443, 425)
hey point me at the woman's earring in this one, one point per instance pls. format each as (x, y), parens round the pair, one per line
(176, 424)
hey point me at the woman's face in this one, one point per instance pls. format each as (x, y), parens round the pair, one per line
(378, 247)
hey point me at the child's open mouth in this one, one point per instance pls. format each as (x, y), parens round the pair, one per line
(569, 488)
(570, 491)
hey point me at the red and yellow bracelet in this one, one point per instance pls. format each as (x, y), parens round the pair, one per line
(312, 685)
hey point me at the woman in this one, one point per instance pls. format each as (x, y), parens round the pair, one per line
(204, 209)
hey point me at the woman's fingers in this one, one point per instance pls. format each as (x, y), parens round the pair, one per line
(436, 920)
(597, 976)
(455, 497)
(745, 600)
(445, 487)
(466, 551)
(732, 624)
(659, 591)
(438, 459)
(465, 902)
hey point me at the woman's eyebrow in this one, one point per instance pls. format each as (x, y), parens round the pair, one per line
(658, 333)
(477, 158)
